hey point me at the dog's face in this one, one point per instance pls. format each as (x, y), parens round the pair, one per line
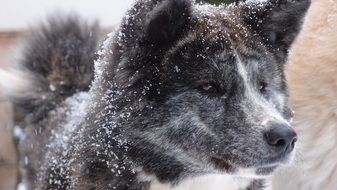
(222, 100)
(212, 86)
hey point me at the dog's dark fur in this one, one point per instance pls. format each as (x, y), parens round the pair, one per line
(170, 100)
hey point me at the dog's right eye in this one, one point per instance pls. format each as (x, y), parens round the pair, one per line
(209, 88)
(263, 87)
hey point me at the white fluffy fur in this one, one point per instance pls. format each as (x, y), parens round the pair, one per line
(211, 182)
(313, 88)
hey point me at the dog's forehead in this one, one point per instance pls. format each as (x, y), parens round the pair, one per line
(223, 23)
(220, 37)
(220, 27)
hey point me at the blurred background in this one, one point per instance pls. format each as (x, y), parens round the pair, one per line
(16, 16)
(312, 74)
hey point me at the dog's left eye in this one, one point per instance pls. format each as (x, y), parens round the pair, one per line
(209, 88)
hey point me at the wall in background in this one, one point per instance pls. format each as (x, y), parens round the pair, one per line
(19, 14)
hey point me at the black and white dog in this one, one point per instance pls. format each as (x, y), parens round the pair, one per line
(184, 96)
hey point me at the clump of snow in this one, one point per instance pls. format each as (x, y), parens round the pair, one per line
(101, 63)
(256, 1)
(76, 111)
(18, 132)
(52, 87)
(21, 186)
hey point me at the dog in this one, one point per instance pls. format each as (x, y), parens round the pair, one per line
(181, 96)
(313, 86)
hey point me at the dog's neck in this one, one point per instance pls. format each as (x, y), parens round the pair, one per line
(212, 181)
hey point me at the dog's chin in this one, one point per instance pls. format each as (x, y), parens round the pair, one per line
(260, 172)
(268, 169)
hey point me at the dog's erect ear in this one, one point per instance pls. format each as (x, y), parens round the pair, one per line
(278, 22)
(158, 23)
(167, 21)
(148, 30)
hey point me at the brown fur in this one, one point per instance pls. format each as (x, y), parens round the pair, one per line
(313, 87)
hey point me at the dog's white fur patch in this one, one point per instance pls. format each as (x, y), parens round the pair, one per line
(270, 113)
(207, 182)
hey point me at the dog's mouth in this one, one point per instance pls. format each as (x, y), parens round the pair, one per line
(266, 171)
(252, 172)
(259, 171)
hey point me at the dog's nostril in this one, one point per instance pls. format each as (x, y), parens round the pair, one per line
(293, 142)
(280, 142)
(281, 137)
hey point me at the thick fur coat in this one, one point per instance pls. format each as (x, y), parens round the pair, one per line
(182, 94)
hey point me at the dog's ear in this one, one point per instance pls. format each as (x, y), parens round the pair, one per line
(167, 21)
(148, 30)
(157, 23)
(277, 22)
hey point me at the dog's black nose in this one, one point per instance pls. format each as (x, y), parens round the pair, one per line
(282, 137)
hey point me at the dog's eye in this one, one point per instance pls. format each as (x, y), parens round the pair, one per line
(262, 87)
(209, 88)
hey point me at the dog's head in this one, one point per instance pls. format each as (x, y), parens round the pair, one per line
(203, 87)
